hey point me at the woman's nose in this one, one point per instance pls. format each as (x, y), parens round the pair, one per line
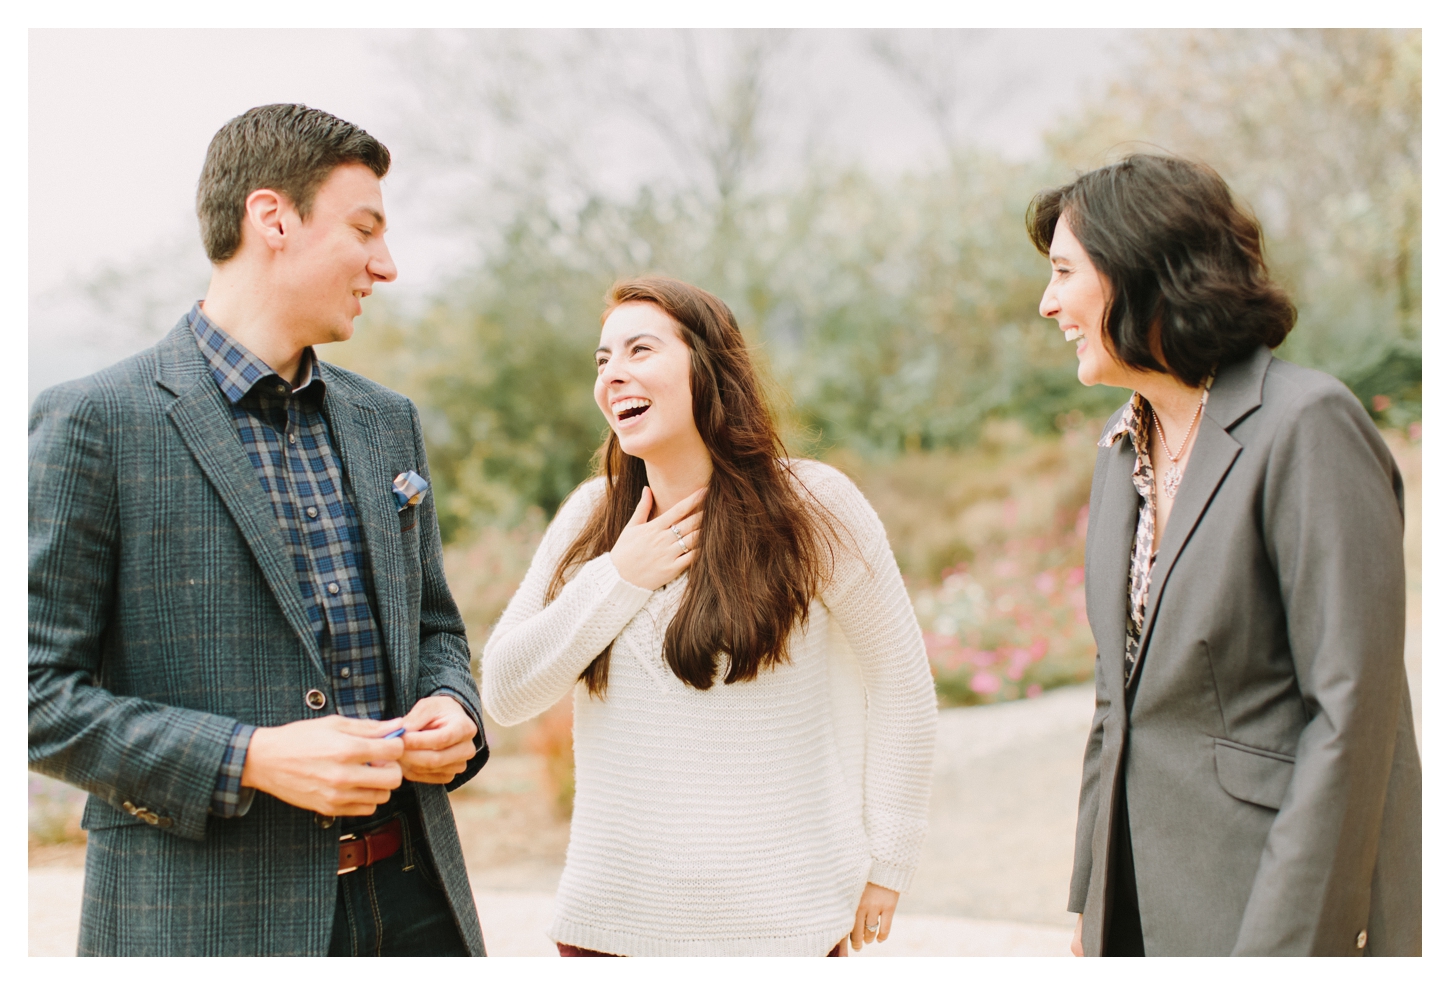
(1048, 307)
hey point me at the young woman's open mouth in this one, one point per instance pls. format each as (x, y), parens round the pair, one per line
(629, 409)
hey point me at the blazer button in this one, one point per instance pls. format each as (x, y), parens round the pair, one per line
(315, 699)
(1361, 940)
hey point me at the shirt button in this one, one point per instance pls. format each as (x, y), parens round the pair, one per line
(281, 388)
(315, 699)
(332, 587)
(292, 439)
(312, 512)
(345, 672)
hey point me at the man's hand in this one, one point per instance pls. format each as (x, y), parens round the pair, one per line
(873, 916)
(1076, 947)
(335, 766)
(439, 740)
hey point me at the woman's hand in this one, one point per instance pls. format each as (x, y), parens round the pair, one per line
(873, 916)
(648, 553)
(1076, 946)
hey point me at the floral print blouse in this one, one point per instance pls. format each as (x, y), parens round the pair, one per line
(1137, 422)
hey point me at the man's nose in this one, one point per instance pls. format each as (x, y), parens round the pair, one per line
(381, 267)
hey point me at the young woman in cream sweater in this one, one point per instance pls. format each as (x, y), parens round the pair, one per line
(754, 717)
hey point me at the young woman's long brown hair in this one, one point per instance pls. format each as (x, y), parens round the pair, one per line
(764, 548)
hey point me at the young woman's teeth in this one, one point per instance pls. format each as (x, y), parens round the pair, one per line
(630, 408)
(1073, 334)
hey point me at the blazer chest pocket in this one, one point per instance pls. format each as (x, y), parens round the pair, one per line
(1253, 775)
(407, 518)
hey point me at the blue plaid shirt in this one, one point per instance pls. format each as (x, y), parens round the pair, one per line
(286, 437)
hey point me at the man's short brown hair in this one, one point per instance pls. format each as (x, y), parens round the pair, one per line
(286, 147)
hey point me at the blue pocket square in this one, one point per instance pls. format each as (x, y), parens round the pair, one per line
(409, 489)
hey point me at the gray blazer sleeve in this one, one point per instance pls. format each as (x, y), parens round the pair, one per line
(443, 656)
(1334, 537)
(119, 748)
(1087, 805)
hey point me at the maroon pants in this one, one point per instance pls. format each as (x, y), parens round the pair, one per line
(570, 951)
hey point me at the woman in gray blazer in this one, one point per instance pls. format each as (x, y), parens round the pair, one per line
(1251, 783)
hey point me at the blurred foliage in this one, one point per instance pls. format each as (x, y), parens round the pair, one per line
(894, 314)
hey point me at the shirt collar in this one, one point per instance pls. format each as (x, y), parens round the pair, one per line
(1131, 422)
(233, 366)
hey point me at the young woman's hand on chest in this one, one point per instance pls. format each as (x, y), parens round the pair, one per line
(653, 553)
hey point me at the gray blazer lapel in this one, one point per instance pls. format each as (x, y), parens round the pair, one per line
(357, 434)
(203, 418)
(1236, 392)
(1109, 546)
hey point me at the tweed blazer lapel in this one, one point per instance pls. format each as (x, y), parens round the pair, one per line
(1109, 550)
(1237, 391)
(204, 420)
(357, 431)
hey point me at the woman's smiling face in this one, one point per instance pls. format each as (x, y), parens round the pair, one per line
(1076, 297)
(643, 381)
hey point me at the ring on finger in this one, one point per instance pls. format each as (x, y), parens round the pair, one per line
(675, 529)
(873, 928)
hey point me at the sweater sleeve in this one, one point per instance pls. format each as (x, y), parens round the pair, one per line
(867, 598)
(537, 651)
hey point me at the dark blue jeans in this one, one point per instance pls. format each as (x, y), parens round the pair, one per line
(396, 907)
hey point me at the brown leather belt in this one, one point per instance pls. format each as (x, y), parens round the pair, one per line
(358, 851)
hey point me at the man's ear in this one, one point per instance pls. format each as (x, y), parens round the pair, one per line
(269, 216)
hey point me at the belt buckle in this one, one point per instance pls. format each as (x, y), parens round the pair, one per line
(350, 868)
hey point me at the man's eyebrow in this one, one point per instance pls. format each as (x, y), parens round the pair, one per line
(377, 216)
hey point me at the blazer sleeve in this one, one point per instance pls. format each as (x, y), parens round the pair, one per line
(443, 655)
(1087, 802)
(1333, 528)
(136, 755)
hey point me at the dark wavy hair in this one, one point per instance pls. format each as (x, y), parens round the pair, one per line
(1182, 259)
(765, 548)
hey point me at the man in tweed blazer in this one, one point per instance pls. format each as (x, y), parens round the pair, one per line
(233, 603)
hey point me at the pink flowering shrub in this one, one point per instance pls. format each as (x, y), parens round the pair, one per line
(1010, 625)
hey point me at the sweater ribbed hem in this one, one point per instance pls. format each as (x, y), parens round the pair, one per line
(813, 944)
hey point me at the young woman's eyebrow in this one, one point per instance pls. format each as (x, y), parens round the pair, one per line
(628, 342)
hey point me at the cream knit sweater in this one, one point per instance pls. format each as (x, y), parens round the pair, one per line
(746, 819)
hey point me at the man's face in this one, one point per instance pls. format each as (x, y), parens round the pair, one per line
(332, 260)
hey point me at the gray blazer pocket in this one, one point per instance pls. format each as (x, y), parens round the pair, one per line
(1254, 775)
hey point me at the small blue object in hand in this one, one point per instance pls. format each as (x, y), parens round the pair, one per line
(409, 489)
(395, 733)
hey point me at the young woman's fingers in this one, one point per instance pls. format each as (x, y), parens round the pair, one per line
(682, 509)
(641, 512)
(691, 522)
(886, 916)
